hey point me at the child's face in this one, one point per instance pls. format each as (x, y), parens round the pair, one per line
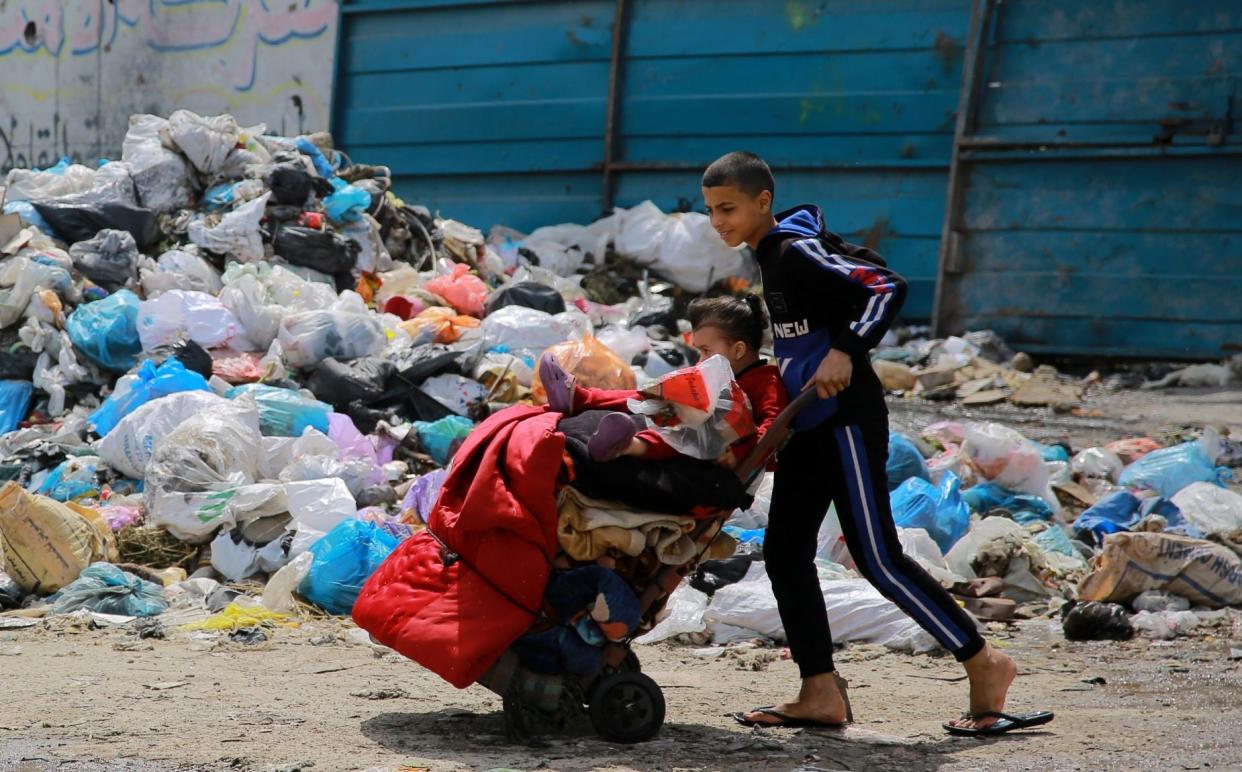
(738, 217)
(709, 342)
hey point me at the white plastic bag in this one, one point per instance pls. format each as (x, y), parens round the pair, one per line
(346, 331)
(455, 392)
(235, 560)
(525, 332)
(278, 594)
(627, 343)
(640, 231)
(31, 185)
(920, 546)
(316, 506)
(161, 175)
(577, 244)
(207, 142)
(201, 474)
(683, 248)
(177, 269)
(314, 456)
(684, 613)
(1004, 456)
(237, 235)
(1097, 463)
(128, 447)
(246, 298)
(179, 314)
(1214, 510)
(856, 610)
(1164, 625)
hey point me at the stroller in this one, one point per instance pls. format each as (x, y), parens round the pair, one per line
(623, 704)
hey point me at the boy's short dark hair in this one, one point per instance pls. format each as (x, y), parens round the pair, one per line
(745, 171)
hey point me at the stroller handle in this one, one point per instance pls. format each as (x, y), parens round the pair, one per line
(775, 438)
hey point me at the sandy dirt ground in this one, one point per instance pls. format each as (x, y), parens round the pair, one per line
(307, 698)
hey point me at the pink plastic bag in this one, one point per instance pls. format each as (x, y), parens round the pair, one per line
(462, 290)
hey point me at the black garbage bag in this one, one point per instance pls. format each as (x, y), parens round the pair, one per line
(79, 222)
(528, 294)
(1095, 621)
(290, 184)
(676, 354)
(324, 251)
(186, 351)
(109, 258)
(339, 382)
(711, 575)
(658, 311)
(427, 361)
(10, 592)
(17, 361)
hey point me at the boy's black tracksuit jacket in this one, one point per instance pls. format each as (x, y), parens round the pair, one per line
(825, 293)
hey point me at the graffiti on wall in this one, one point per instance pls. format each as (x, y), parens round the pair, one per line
(76, 69)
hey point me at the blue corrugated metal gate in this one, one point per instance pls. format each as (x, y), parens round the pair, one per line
(532, 113)
(497, 112)
(1097, 199)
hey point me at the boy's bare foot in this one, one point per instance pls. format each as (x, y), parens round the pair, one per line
(818, 700)
(991, 673)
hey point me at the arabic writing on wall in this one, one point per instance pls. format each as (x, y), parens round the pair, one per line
(76, 69)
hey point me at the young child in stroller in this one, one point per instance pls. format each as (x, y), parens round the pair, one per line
(731, 327)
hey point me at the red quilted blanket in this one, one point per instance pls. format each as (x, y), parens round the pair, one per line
(454, 597)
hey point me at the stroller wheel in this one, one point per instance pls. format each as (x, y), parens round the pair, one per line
(627, 707)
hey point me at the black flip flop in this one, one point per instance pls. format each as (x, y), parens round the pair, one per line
(785, 722)
(1006, 722)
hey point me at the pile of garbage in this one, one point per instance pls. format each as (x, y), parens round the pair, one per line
(232, 356)
(1132, 537)
(234, 365)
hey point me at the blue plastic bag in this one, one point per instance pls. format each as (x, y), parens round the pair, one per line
(106, 589)
(1025, 507)
(1053, 539)
(344, 559)
(1168, 470)
(1122, 510)
(284, 412)
(938, 510)
(1051, 452)
(153, 383)
(348, 202)
(904, 461)
(220, 196)
(325, 169)
(106, 331)
(14, 403)
(72, 479)
(746, 535)
(441, 438)
(29, 215)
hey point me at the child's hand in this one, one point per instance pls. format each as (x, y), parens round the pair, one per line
(727, 459)
(833, 374)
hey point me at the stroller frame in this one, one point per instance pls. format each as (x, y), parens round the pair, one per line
(624, 704)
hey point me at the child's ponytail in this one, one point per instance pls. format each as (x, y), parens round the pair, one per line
(741, 318)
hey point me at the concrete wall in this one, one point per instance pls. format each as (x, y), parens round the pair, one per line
(72, 71)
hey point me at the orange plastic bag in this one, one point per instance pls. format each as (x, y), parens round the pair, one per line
(448, 324)
(461, 289)
(698, 410)
(593, 364)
